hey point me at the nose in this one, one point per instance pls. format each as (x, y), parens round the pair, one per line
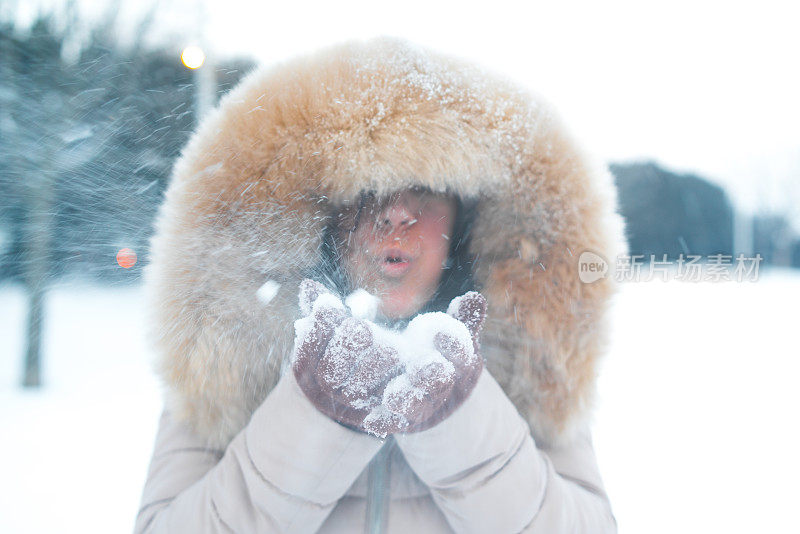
(396, 215)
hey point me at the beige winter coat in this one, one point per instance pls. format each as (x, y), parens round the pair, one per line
(239, 447)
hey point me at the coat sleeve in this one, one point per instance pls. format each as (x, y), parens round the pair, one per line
(487, 475)
(285, 471)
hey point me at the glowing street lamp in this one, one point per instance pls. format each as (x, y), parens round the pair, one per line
(193, 57)
(205, 83)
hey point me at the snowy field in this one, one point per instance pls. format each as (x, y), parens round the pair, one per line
(696, 428)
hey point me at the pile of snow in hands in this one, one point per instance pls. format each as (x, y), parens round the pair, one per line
(414, 345)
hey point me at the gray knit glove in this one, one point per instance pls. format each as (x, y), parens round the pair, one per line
(427, 393)
(338, 364)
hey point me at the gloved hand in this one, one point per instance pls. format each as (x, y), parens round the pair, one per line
(401, 382)
(429, 392)
(338, 363)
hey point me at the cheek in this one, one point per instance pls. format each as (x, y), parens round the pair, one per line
(436, 247)
(435, 234)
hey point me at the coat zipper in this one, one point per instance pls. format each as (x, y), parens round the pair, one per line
(378, 488)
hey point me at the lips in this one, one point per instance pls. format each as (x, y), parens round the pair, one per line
(394, 262)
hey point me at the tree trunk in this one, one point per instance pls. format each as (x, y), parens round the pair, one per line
(37, 267)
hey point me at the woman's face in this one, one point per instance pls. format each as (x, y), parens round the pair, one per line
(398, 248)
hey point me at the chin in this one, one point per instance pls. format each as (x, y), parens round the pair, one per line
(396, 313)
(399, 307)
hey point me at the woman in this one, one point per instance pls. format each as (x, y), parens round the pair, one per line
(322, 168)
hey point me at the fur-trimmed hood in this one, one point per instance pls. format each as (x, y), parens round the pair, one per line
(254, 188)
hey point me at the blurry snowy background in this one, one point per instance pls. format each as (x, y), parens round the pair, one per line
(692, 104)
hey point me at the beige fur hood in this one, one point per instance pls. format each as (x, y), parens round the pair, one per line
(253, 190)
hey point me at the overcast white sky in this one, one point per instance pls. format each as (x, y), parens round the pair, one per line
(704, 86)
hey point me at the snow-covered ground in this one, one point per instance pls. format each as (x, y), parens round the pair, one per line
(696, 427)
(74, 455)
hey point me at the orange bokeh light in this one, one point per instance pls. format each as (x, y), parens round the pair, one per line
(126, 258)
